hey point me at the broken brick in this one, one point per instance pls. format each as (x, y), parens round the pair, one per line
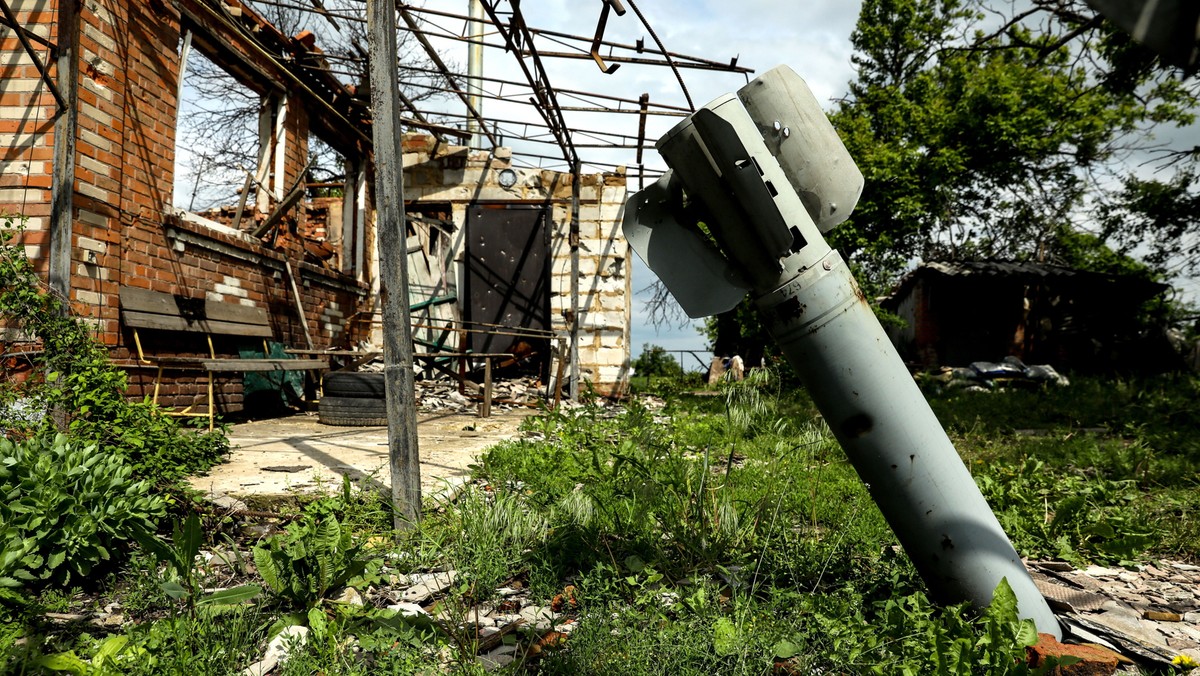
(563, 600)
(1093, 660)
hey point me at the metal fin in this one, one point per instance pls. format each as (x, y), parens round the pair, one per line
(695, 273)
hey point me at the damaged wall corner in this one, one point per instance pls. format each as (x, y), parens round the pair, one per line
(462, 182)
(123, 230)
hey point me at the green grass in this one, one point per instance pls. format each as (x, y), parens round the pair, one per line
(723, 534)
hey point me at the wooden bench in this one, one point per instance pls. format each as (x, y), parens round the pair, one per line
(157, 311)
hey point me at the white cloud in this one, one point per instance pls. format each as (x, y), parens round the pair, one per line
(813, 39)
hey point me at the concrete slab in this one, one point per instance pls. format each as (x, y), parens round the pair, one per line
(293, 454)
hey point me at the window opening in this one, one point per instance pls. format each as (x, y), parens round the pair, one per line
(217, 139)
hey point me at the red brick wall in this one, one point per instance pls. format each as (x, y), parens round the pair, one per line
(123, 187)
(27, 110)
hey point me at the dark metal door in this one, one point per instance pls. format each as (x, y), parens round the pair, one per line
(508, 274)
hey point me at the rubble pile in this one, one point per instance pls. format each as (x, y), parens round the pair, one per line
(983, 376)
(443, 396)
(1149, 612)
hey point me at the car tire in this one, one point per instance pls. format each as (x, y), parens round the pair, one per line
(353, 384)
(352, 411)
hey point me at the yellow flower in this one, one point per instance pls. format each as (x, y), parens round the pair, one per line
(1185, 661)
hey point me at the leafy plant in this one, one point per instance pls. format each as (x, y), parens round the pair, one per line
(180, 556)
(1066, 515)
(74, 388)
(312, 558)
(103, 663)
(67, 509)
(202, 644)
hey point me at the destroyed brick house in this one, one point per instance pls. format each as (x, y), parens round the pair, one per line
(490, 244)
(955, 313)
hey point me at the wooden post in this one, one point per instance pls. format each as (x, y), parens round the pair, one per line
(573, 241)
(558, 376)
(62, 182)
(485, 406)
(393, 281)
(287, 265)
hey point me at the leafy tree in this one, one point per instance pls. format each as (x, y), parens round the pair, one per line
(982, 144)
(1159, 217)
(1006, 133)
(655, 361)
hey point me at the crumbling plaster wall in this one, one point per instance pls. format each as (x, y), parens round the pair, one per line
(454, 175)
(123, 232)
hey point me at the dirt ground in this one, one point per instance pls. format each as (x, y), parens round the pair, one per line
(297, 454)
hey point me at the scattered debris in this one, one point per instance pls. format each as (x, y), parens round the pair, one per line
(1150, 613)
(452, 488)
(428, 585)
(349, 596)
(982, 376)
(444, 395)
(1093, 660)
(286, 468)
(225, 502)
(285, 641)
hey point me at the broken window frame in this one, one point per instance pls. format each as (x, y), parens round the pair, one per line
(268, 178)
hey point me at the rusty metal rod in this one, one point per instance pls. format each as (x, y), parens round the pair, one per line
(515, 83)
(539, 82)
(604, 43)
(437, 60)
(33, 55)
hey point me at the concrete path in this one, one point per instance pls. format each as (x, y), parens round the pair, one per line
(299, 454)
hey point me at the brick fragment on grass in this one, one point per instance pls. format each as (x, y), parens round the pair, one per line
(1094, 660)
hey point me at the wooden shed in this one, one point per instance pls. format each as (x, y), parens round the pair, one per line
(958, 312)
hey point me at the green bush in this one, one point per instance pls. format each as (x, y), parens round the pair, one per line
(307, 562)
(656, 361)
(66, 510)
(74, 387)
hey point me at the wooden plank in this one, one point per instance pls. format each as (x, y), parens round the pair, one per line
(246, 365)
(287, 265)
(262, 365)
(144, 300)
(156, 310)
(485, 406)
(241, 208)
(163, 322)
(178, 361)
(249, 330)
(236, 313)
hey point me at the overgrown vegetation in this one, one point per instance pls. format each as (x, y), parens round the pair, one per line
(67, 511)
(720, 534)
(63, 381)
(723, 533)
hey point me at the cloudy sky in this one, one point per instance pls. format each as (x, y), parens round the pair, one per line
(812, 38)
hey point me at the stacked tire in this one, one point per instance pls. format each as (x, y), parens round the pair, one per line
(353, 399)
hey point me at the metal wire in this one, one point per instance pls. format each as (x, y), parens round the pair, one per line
(657, 41)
